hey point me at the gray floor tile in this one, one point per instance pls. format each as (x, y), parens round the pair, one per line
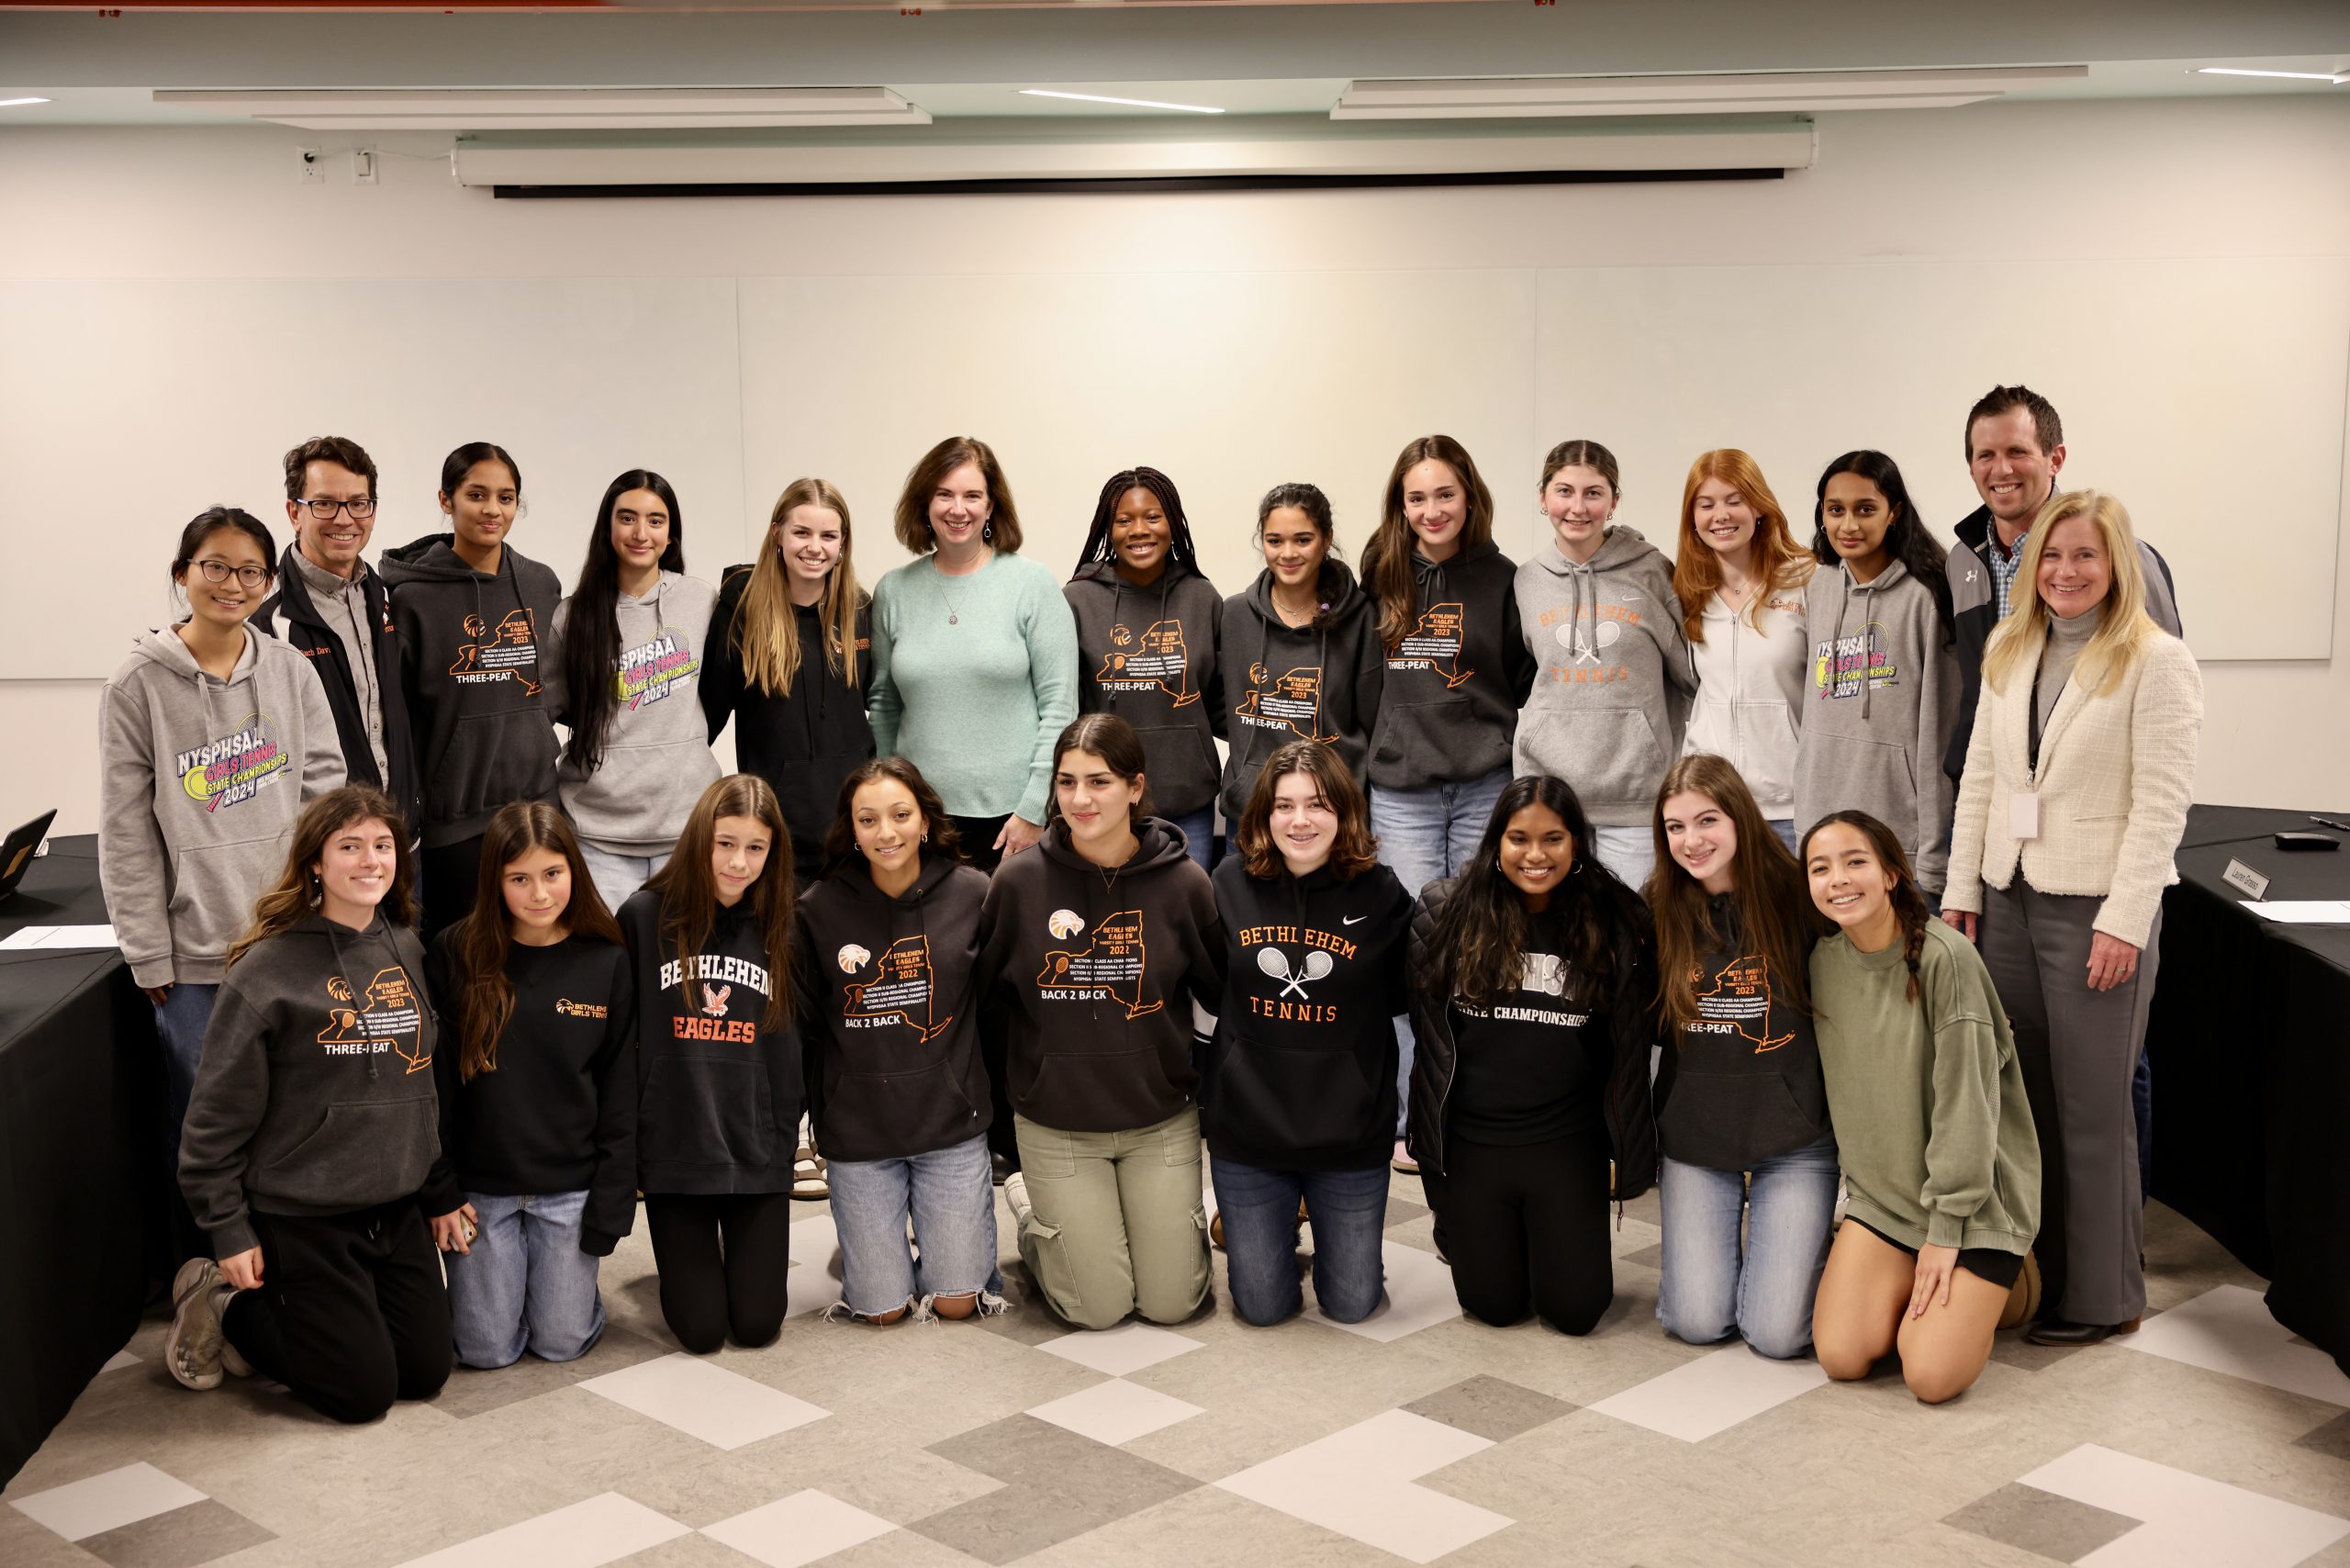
(2041, 1522)
(181, 1539)
(1491, 1407)
(1057, 1485)
(2333, 1438)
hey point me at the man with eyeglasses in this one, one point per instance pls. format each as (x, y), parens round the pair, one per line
(333, 608)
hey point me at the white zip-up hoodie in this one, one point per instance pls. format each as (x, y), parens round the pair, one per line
(1751, 679)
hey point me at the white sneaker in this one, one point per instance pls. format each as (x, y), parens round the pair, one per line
(1016, 1197)
(192, 1347)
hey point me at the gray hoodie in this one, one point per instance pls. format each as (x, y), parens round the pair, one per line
(1883, 696)
(199, 782)
(1607, 707)
(315, 1095)
(656, 758)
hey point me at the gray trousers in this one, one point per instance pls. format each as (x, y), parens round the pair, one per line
(2079, 1049)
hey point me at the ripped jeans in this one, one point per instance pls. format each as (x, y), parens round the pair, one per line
(951, 1197)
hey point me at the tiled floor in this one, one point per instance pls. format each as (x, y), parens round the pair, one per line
(2212, 1439)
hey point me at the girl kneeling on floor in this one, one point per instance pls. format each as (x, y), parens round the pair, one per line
(1298, 1094)
(1742, 1113)
(310, 1133)
(1935, 1135)
(1534, 1001)
(537, 1174)
(888, 942)
(718, 1066)
(1097, 947)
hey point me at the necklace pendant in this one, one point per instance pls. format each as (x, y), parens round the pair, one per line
(952, 618)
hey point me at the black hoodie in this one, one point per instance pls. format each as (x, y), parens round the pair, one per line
(1449, 701)
(314, 1094)
(1742, 1083)
(1091, 976)
(470, 663)
(557, 1111)
(892, 997)
(1300, 1073)
(1150, 656)
(306, 631)
(1320, 681)
(717, 1094)
(804, 741)
(1631, 1033)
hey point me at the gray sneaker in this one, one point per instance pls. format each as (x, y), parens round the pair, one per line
(192, 1347)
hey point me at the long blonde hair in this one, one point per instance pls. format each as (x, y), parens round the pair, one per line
(767, 633)
(2123, 625)
(1780, 564)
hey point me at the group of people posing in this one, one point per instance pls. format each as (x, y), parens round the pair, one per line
(443, 987)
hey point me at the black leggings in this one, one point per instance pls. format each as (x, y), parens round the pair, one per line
(351, 1314)
(723, 1261)
(1525, 1226)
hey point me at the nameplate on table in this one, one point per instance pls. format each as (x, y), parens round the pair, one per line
(60, 938)
(2240, 876)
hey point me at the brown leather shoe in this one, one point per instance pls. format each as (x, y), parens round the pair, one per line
(2064, 1332)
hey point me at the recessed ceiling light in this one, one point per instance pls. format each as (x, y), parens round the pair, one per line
(2334, 77)
(1130, 103)
(12, 103)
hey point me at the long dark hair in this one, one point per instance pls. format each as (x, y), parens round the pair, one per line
(460, 462)
(1909, 906)
(591, 637)
(1309, 500)
(479, 943)
(1112, 739)
(1770, 902)
(1481, 933)
(1096, 550)
(1387, 572)
(1353, 851)
(688, 889)
(295, 896)
(1906, 539)
(939, 838)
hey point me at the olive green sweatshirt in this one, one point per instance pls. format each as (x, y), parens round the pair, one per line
(1932, 1128)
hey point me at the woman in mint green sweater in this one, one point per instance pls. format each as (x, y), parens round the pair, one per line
(1932, 1128)
(973, 653)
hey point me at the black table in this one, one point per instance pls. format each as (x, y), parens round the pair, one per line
(81, 1161)
(2250, 1039)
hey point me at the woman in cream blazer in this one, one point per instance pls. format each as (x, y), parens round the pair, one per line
(2071, 807)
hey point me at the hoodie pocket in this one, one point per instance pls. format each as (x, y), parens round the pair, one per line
(1089, 1091)
(1179, 760)
(215, 886)
(1605, 754)
(1732, 1120)
(1288, 1097)
(897, 1114)
(1766, 750)
(1418, 743)
(1850, 772)
(707, 1111)
(364, 1152)
(492, 758)
(643, 794)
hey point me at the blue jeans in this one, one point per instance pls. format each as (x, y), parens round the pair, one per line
(1424, 836)
(617, 876)
(951, 1196)
(180, 1019)
(1713, 1288)
(1786, 828)
(1348, 1210)
(1629, 852)
(526, 1285)
(1199, 831)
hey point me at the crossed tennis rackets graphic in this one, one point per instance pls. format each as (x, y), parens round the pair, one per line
(1274, 962)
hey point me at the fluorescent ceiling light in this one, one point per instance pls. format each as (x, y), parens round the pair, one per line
(1762, 91)
(561, 109)
(2337, 78)
(1130, 103)
(13, 103)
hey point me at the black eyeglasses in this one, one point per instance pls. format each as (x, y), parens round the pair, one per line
(220, 572)
(324, 510)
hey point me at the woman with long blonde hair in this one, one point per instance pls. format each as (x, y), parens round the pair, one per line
(791, 663)
(1740, 578)
(2074, 799)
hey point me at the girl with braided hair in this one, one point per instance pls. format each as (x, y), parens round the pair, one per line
(1933, 1127)
(1150, 628)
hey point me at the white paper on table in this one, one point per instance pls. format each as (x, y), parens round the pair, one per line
(60, 938)
(2303, 911)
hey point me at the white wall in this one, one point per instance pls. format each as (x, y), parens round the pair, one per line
(2088, 180)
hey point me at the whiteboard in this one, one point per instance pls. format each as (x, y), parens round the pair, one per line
(128, 407)
(1229, 383)
(2209, 395)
